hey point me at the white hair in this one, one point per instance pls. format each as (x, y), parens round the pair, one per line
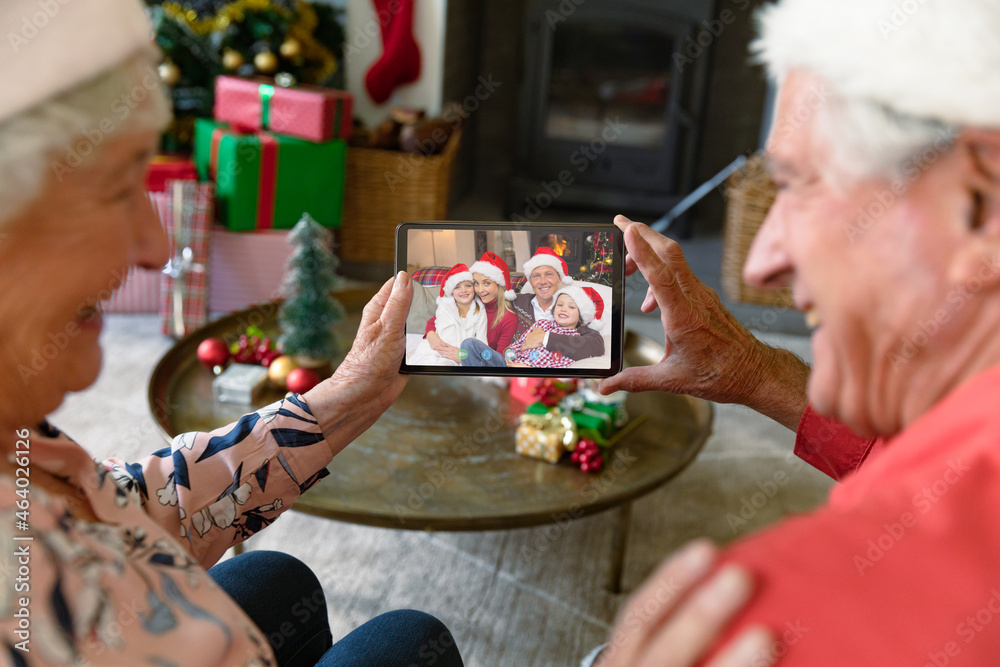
(70, 129)
(904, 75)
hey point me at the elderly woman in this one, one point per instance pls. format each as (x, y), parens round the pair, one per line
(107, 563)
(886, 151)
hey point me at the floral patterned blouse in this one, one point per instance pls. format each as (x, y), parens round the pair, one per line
(132, 588)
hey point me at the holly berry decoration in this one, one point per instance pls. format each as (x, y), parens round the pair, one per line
(213, 352)
(301, 380)
(253, 347)
(588, 456)
(550, 392)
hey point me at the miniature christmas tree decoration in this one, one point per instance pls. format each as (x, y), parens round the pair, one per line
(310, 311)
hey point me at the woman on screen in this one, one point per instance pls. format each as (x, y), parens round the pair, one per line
(459, 315)
(491, 279)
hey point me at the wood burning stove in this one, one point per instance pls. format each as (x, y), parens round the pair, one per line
(610, 105)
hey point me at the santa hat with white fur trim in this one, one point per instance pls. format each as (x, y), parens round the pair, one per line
(493, 267)
(457, 274)
(588, 301)
(546, 256)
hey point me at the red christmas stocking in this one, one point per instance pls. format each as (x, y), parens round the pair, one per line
(400, 61)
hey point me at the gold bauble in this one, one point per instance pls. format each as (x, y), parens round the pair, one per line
(170, 73)
(231, 58)
(265, 62)
(290, 48)
(279, 369)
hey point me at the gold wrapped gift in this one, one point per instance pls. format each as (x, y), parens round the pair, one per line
(547, 436)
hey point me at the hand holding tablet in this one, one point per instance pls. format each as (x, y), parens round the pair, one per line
(542, 299)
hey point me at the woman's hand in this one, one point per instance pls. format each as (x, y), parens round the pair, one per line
(709, 354)
(368, 380)
(679, 613)
(450, 352)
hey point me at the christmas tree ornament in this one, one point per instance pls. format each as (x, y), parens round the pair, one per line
(232, 59)
(400, 60)
(285, 80)
(290, 48)
(170, 73)
(278, 371)
(309, 312)
(265, 62)
(212, 352)
(301, 380)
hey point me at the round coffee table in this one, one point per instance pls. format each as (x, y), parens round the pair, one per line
(442, 457)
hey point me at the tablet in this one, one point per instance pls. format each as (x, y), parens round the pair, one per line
(513, 299)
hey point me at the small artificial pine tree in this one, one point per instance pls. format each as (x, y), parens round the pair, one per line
(309, 312)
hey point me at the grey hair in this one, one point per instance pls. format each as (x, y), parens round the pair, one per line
(70, 129)
(902, 83)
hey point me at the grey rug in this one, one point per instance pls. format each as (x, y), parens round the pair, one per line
(523, 597)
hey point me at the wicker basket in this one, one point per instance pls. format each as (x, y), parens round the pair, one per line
(384, 188)
(750, 193)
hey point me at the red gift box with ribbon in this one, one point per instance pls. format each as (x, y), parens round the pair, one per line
(307, 112)
(165, 168)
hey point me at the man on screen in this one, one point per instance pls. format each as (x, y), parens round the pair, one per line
(547, 274)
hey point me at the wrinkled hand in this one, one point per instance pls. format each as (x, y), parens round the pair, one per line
(709, 354)
(368, 380)
(534, 339)
(677, 615)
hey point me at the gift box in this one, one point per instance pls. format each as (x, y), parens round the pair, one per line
(240, 383)
(265, 180)
(185, 210)
(545, 437)
(165, 168)
(247, 268)
(597, 417)
(313, 113)
(547, 390)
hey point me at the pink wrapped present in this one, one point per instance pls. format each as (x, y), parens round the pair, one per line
(186, 210)
(247, 268)
(314, 113)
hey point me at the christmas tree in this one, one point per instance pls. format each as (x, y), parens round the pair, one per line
(598, 249)
(293, 41)
(309, 312)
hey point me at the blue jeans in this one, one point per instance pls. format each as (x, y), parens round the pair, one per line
(481, 354)
(284, 599)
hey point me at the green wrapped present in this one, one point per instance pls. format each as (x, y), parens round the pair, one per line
(596, 417)
(538, 408)
(267, 181)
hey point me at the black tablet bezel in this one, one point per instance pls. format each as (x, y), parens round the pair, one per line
(617, 295)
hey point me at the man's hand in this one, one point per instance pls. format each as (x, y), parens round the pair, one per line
(677, 615)
(709, 354)
(534, 339)
(368, 380)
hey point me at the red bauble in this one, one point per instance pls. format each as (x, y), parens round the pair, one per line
(301, 380)
(212, 352)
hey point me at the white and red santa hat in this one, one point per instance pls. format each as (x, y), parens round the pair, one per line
(457, 274)
(545, 256)
(59, 45)
(493, 267)
(588, 301)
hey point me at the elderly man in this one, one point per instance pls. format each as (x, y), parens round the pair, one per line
(886, 152)
(547, 273)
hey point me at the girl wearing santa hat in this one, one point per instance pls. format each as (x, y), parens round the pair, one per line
(574, 307)
(491, 278)
(460, 315)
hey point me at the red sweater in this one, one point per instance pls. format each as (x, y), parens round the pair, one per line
(899, 567)
(497, 337)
